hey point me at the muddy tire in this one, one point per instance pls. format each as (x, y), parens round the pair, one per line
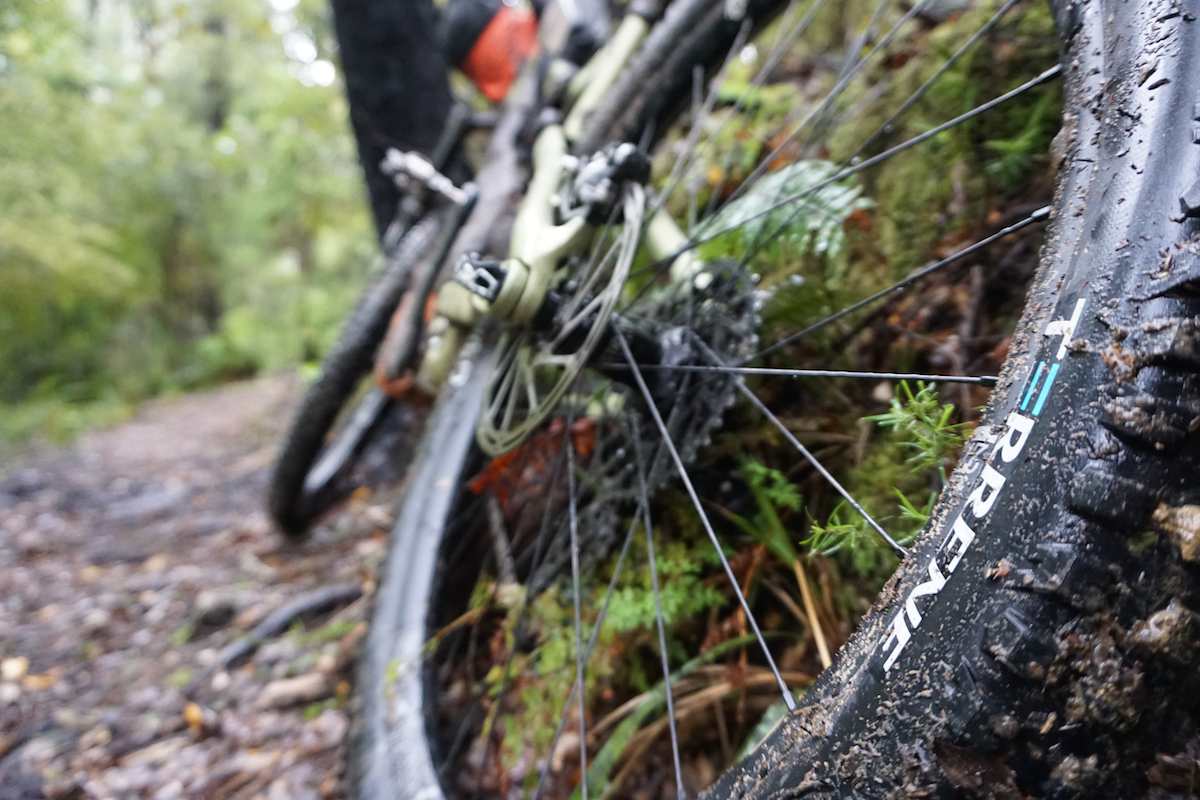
(310, 474)
(1040, 640)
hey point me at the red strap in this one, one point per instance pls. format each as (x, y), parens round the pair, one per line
(494, 61)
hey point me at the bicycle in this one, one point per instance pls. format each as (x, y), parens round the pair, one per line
(1036, 639)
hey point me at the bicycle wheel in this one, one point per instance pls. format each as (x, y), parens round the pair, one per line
(1037, 638)
(338, 415)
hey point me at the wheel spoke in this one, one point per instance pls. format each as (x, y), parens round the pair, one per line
(684, 160)
(593, 273)
(849, 72)
(580, 686)
(854, 169)
(591, 646)
(777, 52)
(579, 318)
(1039, 215)
(543, 536)
(915, 97)
(808, 456)
(832, 481)
(648, 526)
(673, 452)
(875, 160)
(983, 380)
(825, 115)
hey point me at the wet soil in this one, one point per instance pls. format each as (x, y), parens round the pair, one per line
(133, 565)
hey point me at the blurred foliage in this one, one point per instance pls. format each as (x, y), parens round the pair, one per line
(181, 200)
(626, 650)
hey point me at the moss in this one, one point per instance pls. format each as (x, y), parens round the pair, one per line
(625, 656)
(929, 194)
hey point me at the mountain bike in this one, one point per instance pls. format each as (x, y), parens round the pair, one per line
(360, 407)
(1037, 637)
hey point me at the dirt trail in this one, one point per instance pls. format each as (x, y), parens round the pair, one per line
(128, 561)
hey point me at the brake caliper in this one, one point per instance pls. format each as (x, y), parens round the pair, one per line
(594, 191)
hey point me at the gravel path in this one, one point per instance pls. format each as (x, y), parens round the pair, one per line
(133, 565)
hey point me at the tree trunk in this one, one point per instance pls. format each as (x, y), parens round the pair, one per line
(396, 82)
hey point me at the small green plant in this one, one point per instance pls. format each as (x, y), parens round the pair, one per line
(924, 427)
(923, 440)
(846, 535)
(771, 484)
(541, 679)
(180, 678)
(314, 710)
(682, 590)
(329, 632)
(182, 635)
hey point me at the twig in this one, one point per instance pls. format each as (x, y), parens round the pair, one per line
(317, 601)
(468, 617)
(810, 610)
(500, 543)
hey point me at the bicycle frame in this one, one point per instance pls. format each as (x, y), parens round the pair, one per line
(515, 289)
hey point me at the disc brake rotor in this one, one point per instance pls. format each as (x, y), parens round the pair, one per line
(537, 368)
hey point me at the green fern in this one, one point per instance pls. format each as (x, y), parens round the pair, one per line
(1017, 155)
(812, 224)
(772, 492)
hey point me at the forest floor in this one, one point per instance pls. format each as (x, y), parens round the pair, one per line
(134, 565)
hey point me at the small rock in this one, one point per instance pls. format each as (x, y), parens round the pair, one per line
(214, 609)
(158, 753)
(13, 669)
(147, 505)
(96, 620)
(327, 661)
(1165, 631)
(328, 730)
(40, 682)
(170, 791)
(155, 563)
(280, 651)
